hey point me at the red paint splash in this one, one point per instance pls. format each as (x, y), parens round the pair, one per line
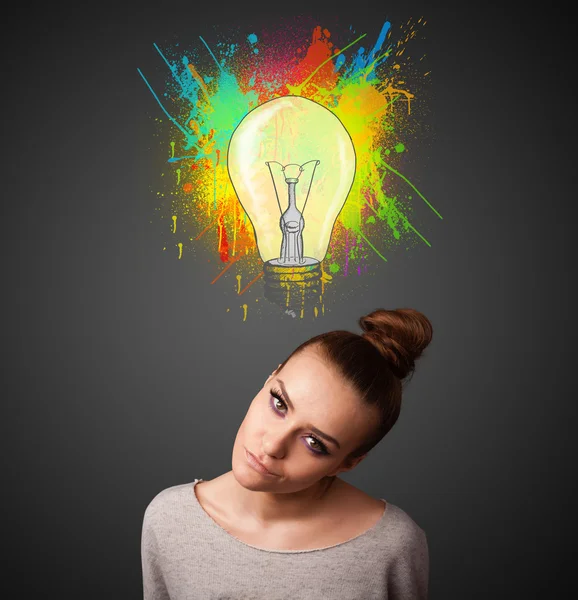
(318, 51)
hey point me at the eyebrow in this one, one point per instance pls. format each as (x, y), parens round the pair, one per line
(320, 433)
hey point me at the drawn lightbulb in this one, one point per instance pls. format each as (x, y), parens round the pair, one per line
(292, 164)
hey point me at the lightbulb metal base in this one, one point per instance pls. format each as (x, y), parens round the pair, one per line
(292, 286)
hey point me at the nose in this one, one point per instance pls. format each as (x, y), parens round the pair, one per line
(273, 443)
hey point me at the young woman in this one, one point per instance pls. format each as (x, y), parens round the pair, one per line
(281, 524)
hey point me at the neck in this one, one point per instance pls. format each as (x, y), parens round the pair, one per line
(267, 509)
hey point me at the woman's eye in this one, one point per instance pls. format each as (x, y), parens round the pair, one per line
(316, 442)
(275, 400)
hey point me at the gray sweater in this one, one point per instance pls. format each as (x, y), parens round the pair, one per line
(186, 555)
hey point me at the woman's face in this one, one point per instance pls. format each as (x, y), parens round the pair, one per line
(280, 427)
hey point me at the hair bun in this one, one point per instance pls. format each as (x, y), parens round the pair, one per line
(400, 335)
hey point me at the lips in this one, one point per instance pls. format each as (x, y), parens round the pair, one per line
(256, 463)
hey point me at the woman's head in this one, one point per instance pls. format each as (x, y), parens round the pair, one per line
(342, 384)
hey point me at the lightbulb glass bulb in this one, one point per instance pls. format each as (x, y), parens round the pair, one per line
(291, 130)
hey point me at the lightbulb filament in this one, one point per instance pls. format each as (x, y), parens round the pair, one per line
(292, 222)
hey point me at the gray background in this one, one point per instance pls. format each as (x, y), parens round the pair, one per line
(124, 374)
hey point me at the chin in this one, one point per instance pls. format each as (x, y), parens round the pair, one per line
(243, 474)
(251, 485)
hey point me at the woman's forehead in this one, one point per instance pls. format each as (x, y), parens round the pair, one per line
(314, 377)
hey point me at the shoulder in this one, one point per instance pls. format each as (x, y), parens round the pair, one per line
(166, 501)
(408, 570)
(402, 531)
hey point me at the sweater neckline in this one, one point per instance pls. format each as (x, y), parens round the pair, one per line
(368, 532)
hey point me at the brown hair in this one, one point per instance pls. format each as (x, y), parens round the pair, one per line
(378, 362)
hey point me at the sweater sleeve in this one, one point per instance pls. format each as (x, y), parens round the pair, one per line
(409, 575)
(154, 587)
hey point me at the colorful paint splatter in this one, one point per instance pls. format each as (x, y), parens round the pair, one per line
(365, 84)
